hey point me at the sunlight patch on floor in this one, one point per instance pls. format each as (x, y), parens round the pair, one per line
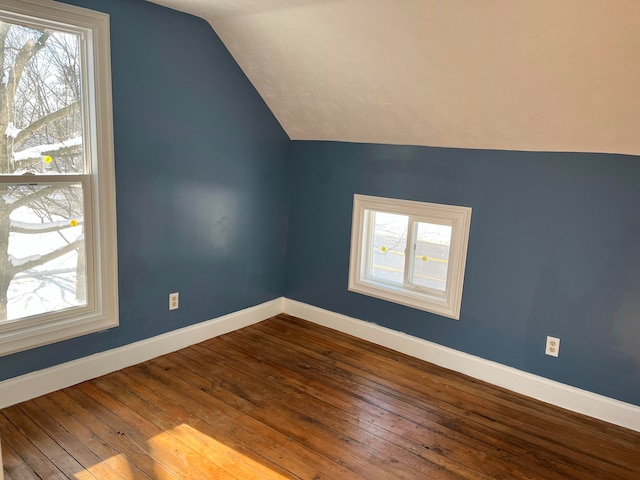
(181, 451)
(108, 469)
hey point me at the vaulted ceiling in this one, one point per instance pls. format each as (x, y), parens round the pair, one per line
(542, 75)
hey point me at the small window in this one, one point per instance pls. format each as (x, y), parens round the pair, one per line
(58, 276)
(412, 253)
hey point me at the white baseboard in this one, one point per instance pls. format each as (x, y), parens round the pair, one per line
(540, 388)
(32, 385)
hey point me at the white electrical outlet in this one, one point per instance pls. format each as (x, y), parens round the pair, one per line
(553, 346)
(174, 300)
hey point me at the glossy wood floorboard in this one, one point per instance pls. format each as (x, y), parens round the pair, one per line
(287, 399)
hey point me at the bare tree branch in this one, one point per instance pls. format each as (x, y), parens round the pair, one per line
(47, 257)
(39, 228)
(32, 162)
(27, 52)
(46, 120)
(27, 199)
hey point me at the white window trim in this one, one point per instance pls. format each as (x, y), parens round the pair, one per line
(101, 314)
(459, 218)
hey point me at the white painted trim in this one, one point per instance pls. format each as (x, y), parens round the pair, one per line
(565, 396)
(32, 385)
(446, 303)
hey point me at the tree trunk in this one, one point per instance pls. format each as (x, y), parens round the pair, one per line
(81, 275)
(4, 289)
(5, 263)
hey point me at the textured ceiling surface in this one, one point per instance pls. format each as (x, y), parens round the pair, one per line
(542, 75)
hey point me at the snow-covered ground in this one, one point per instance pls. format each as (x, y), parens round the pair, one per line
(48, 287)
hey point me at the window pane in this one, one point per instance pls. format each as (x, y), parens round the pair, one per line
(43, 268)
(389, 245)
(431, 260)
(42, 130)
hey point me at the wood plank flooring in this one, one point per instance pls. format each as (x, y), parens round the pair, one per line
(287, 399)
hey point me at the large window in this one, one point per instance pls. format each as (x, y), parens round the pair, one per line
(57, 195)
(412, 253)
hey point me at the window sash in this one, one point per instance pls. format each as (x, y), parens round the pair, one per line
(412, 261)
(409, 254)
(20, 13)
(368, 247)
(55, 317)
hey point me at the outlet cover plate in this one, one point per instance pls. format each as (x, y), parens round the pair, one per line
(174, 301)
(553, 346)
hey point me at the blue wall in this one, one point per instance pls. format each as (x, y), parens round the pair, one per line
(554, 250)
(201, 179)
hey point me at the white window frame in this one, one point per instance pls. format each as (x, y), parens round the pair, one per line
(101, 311)
(447, 303)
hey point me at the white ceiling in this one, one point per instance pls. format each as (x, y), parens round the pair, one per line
(553, 75)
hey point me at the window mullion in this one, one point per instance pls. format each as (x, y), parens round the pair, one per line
(367, 235)
(408, 253)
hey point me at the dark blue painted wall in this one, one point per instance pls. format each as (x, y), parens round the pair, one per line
(201, 179)
(554, 250)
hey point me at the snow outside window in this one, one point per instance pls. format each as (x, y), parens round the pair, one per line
(412, 253)
(57, 189)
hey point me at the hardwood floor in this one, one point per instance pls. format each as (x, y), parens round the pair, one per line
(289, 399)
